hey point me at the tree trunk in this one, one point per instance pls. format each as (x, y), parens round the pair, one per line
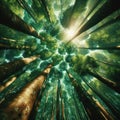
(111, 5)
(25, 6)
(10, 68)
(94, 110)
(46, 11)
(13, 21)
(21, 106)
(115, 86)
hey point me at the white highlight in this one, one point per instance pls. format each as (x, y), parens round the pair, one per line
(69, 33)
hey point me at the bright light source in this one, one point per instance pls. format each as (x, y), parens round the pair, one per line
(69, 33)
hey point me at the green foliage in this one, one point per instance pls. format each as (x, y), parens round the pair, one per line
(56, 59)
(63, 66)
(10, 33)
(108, 35)
(78, 62)
(82, 64)
(45, 54)
(14, 6)
(60, 97)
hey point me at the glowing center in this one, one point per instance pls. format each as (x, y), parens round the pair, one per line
(69, 33)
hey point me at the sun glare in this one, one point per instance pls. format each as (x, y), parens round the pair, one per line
(69, 33)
